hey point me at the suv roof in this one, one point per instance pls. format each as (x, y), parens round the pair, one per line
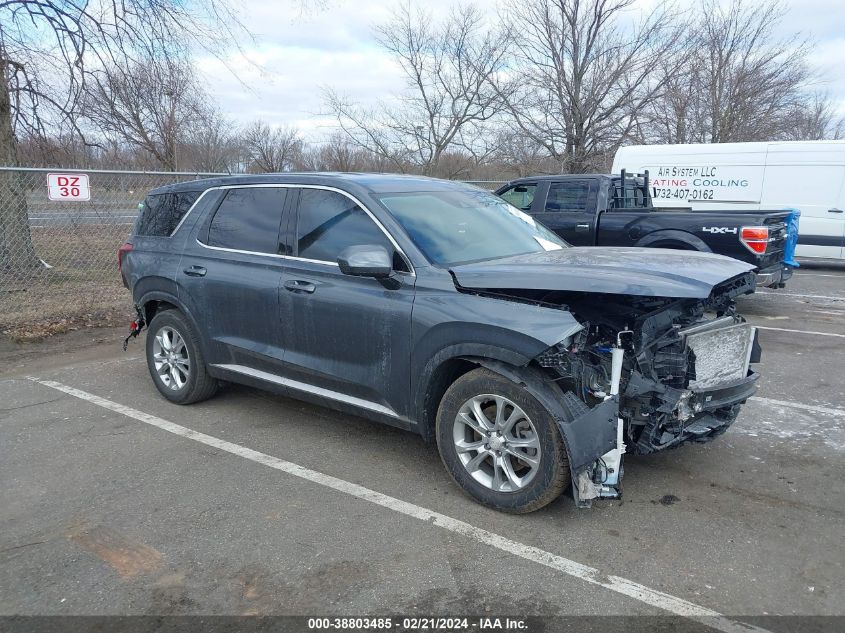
(372, 183)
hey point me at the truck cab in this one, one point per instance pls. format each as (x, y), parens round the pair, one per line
(808, 176)
(617, 210)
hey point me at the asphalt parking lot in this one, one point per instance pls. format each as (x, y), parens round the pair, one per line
(116, 502)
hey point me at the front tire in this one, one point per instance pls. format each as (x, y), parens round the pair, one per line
(499, 444)
(175, 360)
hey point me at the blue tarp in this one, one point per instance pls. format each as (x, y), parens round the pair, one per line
(791, 238)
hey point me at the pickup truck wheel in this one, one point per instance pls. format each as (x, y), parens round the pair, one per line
(499, 444)
(175, 360)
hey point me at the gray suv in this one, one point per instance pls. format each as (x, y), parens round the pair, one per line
(440, 308)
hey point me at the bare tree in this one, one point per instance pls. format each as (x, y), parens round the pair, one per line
(336, 153)
(449, 97)
(210, 145)
(47, 50)
(580, 71)
(814, 119)
(149, 104)
(271, 149)
(743, 82)
(522, 156)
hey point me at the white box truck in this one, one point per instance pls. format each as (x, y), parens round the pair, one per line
(805, 175)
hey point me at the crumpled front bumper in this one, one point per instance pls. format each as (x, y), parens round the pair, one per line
(724, 395)
(716, 409)
(702, 415)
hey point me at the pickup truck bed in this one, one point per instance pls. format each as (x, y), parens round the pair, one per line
(604, 210)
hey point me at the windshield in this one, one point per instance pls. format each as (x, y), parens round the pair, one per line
(454, 227)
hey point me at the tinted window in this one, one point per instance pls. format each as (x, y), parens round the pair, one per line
(329, 222)
(568, 196)
(520, 196)
(248, 220)
(160, 214)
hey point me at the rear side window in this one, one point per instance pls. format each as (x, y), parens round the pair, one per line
(329, 222)
(160, 214)
(248, 219)
(568, 196)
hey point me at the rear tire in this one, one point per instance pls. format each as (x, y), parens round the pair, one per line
(175, 360)
(518, 468)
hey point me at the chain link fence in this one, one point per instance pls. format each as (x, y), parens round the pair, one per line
(58, 250)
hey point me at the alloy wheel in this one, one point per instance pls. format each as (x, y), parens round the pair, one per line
(497, 443)
(170, 357)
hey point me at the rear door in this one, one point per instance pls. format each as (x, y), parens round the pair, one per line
(816, 191)
(570, 210)
(346, 336)
(232, 271)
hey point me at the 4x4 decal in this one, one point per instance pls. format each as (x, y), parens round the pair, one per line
(718, 230)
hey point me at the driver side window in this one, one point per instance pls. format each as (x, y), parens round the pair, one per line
(521, 196)
(328, 222)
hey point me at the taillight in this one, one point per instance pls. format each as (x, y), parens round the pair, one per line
(121, 253)
(755, 238)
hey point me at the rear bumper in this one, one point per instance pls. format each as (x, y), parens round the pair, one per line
(774, 276)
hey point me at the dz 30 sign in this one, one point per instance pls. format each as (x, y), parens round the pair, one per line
(68, 187)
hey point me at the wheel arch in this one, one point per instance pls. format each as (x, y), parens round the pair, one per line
(671, 238)
(155, 301)
(444, 368)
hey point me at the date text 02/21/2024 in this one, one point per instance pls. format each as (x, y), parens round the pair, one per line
(418, 623)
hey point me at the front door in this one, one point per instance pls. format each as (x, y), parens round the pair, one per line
(347, 335)
(520, 195)
(569, 211)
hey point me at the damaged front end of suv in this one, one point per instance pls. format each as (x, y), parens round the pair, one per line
(644, 373)
(670, 371)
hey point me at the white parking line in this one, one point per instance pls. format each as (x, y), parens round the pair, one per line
(812, 408)
(652, 597)
(818, 275)
(797, 296)
(783, 329)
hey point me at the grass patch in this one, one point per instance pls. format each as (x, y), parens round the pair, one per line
(82, 289)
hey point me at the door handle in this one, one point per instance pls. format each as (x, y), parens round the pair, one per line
(195, 271)
(297, 285)
(582, 227)
(835, 210)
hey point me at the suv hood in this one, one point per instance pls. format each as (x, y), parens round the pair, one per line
(646, 272)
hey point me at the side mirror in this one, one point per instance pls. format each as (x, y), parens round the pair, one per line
(368, 260)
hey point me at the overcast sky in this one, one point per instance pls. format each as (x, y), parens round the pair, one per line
(299, 51)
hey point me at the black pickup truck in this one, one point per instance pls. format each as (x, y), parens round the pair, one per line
(606, 210)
